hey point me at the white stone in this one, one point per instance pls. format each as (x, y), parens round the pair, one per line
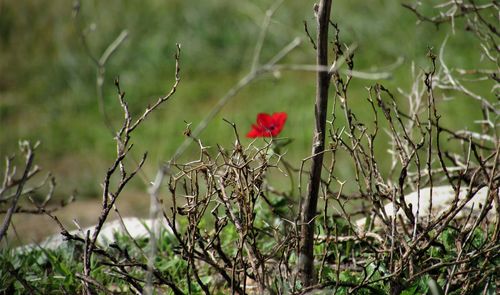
(136, 227)
(442, 198)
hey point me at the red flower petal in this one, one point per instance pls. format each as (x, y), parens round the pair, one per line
(264, 120)
(268, 125)
(279, 121)
(255, 132)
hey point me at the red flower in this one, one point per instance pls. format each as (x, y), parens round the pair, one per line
(268, 125)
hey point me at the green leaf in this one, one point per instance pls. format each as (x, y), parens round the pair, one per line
(410, 291)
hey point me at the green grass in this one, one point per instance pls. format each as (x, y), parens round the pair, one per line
(55, 271)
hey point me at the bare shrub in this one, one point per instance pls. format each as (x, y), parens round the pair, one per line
(19, 186)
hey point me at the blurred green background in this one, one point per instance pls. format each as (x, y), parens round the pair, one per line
(48, 82)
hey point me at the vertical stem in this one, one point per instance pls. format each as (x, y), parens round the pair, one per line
(306, 257)
(154, 210)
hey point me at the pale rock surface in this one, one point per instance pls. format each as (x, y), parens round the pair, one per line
(442, 198)
(136, 227)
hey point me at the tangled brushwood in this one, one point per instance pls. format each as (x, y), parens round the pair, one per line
(243, 219)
